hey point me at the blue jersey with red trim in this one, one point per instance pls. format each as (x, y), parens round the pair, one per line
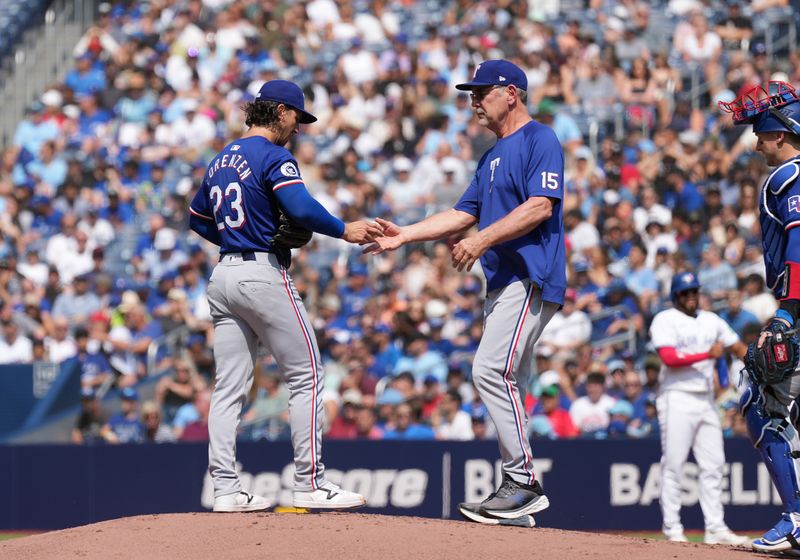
(780, 213)
(238, 193)
(528, 163)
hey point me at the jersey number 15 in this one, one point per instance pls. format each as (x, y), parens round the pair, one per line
(233, 192)
(549, 180)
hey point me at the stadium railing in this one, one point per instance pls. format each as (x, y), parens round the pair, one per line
(628, 337)
(36, 52)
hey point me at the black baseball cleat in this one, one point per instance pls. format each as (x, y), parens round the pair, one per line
(514, 499)
(472, 511)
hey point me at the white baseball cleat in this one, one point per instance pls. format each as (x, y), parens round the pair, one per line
(328, 496)
(676, 537)
(726, 536)
(240, 502)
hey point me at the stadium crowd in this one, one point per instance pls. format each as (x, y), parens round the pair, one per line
(97, 263)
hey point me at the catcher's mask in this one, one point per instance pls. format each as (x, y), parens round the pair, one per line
(775, 109)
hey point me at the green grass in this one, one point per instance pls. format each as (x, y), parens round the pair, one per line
(693, 536)
(9, 536)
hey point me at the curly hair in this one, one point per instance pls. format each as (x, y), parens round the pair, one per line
(261, 113)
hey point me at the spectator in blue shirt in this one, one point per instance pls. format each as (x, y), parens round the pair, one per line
(117, 211)
(92, 116)
(126, 425)
(692, 247)
(46, 218)
(583, 282)
(626, 314)
(688, 197)
(735, 316)
(49, 167)
(437, 343)
(33, 131)
(356, 292)
(634, 392)
(565, 127)
(716, 276)
(641, 279)
(615, 244)
(167, 257)
(406, 425)
(458, 115)
(77, 304)
(137, 103)
(143, 331)
(385, 351)
(85, 77)
(252, 57)
(421, 361)
(95, 369)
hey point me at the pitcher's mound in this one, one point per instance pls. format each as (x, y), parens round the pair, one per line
(346, 536)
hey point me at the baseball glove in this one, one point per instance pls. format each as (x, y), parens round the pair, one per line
(777, 358)
(290, 234)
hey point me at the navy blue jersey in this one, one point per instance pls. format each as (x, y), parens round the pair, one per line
(528, 163)
(238, 193)
(780, 212)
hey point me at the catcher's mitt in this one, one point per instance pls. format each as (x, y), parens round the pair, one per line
(290, 234)
(777, 358)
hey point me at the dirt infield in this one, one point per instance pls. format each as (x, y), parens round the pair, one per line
(346, 536)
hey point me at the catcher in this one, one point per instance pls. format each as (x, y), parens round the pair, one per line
(769, 403)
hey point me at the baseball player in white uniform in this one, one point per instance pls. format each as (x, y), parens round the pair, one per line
(688, 341)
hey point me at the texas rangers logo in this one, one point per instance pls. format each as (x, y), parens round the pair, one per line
(794, 204)
(289, 169)
(493, 165)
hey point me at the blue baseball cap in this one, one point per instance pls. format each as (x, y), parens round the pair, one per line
(288, 93)
(358, 269)
(496, 73)
(622, 407)
(614, 365)
(683, 282)
(581, 266)
(130, 394)
(391, 396)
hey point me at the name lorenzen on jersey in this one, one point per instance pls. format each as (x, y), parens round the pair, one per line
(233, 161)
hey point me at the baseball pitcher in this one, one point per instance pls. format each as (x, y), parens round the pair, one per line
(250, 204)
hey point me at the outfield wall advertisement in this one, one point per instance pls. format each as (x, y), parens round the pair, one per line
(606, 485)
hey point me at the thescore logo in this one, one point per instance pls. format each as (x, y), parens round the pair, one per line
(382, 487)
(627, 488)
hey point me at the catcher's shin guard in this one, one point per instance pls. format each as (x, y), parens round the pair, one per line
(777, 443)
